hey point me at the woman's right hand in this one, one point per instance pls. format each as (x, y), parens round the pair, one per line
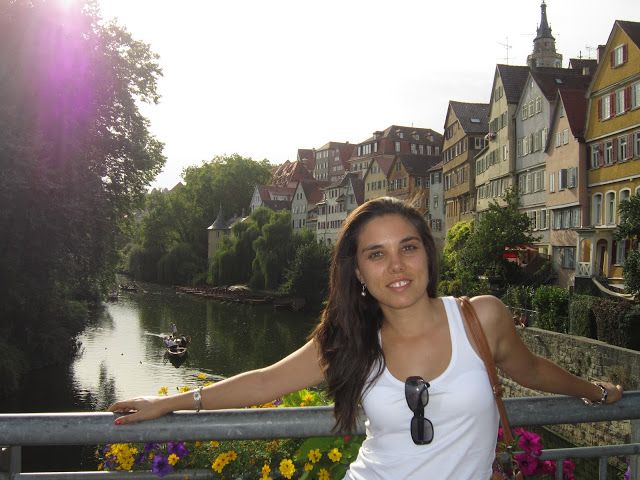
(140, 408)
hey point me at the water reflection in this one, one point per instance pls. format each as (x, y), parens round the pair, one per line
(123, 354)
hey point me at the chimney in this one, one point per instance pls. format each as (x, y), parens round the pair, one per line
(600, 52)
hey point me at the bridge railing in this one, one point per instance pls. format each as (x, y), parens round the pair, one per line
(39, 429)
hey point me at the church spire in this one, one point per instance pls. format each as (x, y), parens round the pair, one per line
(544, 45)
(544, 30)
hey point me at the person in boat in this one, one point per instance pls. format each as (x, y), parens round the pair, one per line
(388, 343)
(174, 330)
(171, 343)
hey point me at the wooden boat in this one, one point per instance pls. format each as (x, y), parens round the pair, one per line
(129, 287)
(176, 351)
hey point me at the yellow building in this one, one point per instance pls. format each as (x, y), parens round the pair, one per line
(376, 175)
(612, 135)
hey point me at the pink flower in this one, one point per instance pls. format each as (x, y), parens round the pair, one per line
(518, 431)
(528, 464)
(530, 443)
(568, 466)
(500, 434)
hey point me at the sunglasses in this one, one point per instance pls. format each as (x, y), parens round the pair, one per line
(417, 394)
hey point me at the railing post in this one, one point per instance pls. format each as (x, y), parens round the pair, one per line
(603, 462)
(15, 460)
(634, 460)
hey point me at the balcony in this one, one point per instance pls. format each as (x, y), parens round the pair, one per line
(30, 429)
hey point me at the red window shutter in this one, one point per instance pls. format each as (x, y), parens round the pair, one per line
(612, 58)
(625, 53)
(612, 105)
(600, 109)
(614, 147)
(630, 145)
(627, 99)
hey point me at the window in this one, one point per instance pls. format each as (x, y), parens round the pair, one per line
(619, 102)
(622, 148)
(572, 174)
(636, 143)
(605, 107)
(542, 219)
(558, 139)
(562, 179)
(565, 257)
(619, 55)
(538, 104)
(538, 181)
(522, 183)
(635, 95)
(397, 145)
(608, 153)
(435, 201)
(611, 208)
(552, 186)
(595, 156)
(624, 195)
(597, 209)
(565, 136)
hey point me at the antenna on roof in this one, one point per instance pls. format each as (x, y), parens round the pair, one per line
(589, 50)
(506, 47)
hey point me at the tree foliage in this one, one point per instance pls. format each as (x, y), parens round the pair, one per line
(76, 157)
(499, 228)
(629, 228)
(181, 216)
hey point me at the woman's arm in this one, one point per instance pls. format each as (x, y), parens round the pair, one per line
(513, 357)
(294, 372)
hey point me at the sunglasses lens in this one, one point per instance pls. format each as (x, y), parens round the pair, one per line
(421, 430)
(416, 392)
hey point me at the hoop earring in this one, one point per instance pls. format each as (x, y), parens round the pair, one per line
(364, 290)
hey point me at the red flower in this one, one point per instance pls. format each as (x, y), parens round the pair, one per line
(528, 464)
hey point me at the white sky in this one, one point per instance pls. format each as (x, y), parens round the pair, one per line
(264, 78)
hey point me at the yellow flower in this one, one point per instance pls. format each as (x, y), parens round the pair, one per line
(163, 391)
(232, 455)
(314, 455)
(197, 444)
(323, 474)
(173, 459)
(202, 376)
(214, 443)
(100, 466)
(218, 465)
(335, 455)
(303, 404)
(206, 384)
(184, 389)
(287, 468)
(308, 467)
(308, 397)
(266, 470)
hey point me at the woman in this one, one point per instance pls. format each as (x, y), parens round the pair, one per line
(382, 332)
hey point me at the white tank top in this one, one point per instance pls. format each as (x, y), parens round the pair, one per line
(461, 408)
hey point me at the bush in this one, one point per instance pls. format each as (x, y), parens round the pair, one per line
(615, 322)
(519, 296)
(582, 321)
(552, 304)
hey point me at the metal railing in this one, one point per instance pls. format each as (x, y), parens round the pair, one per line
(38, 429)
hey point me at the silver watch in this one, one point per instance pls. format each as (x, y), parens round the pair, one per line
(197, 399)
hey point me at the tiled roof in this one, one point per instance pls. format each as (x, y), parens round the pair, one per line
(581, 63)
(575, 108)
(437, 166)
(385, 163)
(550, 80)
(312, 190)
(393, 130)
(513, 78)
(632, 29)
(466, 111)
(419, 165)
(358, 189)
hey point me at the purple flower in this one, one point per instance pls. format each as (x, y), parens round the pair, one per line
(627, 474)
(160, 466)
(527, 463)
(178, 448)
(146, 450)
(548, 467)
(568, 466)
(530, 443)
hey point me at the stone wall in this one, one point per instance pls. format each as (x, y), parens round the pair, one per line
(590, 359)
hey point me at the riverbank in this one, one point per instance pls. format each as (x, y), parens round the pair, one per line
(243, 294)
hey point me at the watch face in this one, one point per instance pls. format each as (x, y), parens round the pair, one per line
(196, 396)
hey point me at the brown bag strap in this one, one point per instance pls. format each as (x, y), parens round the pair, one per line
(471, 319)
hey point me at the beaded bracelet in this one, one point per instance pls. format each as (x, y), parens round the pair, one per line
(603, 398)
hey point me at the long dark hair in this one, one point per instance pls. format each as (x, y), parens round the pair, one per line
(347, 334)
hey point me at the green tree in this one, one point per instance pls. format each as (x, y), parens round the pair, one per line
(629, 229)
(498, 229)
(307, 275)
(76, 158)
(273, 249)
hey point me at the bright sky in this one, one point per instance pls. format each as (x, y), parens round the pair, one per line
(264, 78)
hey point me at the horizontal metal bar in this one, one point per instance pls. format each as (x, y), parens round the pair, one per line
(591, 452)
(137, 475)
(92, 428)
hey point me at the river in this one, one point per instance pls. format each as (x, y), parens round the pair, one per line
(122, 355)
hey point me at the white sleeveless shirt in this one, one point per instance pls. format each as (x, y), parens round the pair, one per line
(461, 407)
